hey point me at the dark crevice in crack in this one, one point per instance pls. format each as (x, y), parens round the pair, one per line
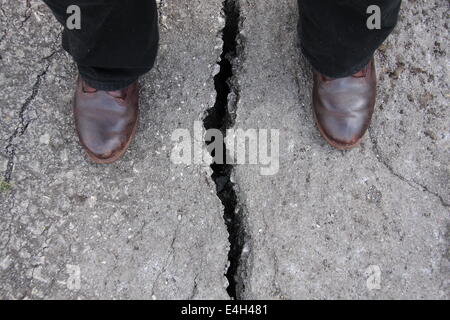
(220, 117)
(3, 37)
(23, 124)
(27, 15)
(412, 184)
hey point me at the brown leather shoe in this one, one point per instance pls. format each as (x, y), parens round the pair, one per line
(343, 107)
(105, 121)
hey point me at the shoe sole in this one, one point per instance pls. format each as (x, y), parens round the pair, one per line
(331, 142)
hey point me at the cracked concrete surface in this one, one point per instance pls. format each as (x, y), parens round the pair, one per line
(328, 219)
(143, 228)
(323, 227)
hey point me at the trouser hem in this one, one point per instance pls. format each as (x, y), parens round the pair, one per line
(110, 85)
(350, 71)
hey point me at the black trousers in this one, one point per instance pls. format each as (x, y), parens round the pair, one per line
(118, 40)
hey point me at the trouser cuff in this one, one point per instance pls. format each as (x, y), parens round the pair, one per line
(108, 86)
(319, 67)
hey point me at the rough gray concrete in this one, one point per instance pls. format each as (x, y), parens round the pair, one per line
(329, 220)
(143, 228)
(146, 228)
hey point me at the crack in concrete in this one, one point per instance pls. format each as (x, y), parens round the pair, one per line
(413, 184)
(220, 117)
(195, 287)
(28, 12)
(3, 37)
(171, 254)
(23, 124)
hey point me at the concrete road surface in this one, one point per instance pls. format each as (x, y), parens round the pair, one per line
(371, 223)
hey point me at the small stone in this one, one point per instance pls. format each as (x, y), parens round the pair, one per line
(374, 195)
(44, 139)
(6, 262)
(431, 134)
